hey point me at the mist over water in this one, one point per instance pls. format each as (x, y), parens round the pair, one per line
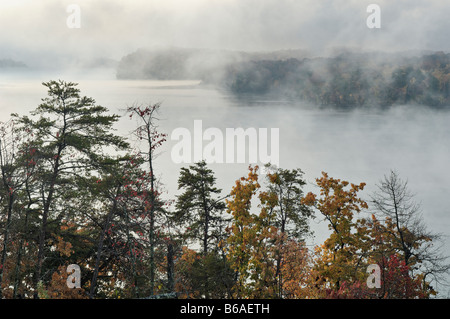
(360, 145)
(357, 146)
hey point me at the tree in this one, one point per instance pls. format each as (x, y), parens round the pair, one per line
(397, 282)
(405, 230)
(252, 241)
(70, 134)
(199, 209)
(109, 187)
(147, 131)
(265, 243)
(122, 222)
(200, 276)
(242, 232)
(26, 216)
(290, 216)
(294, 270)
(10, 184)
(337, 258)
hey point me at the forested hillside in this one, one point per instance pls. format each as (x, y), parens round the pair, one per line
(349, 80)
(346, 81)
(74, 192)
(180, 63)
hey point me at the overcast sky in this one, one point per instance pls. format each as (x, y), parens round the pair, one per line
(112, 28)
(35, 32)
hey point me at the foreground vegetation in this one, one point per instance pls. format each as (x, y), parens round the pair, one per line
(74, 192)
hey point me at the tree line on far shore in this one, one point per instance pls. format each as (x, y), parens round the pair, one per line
(346, 81)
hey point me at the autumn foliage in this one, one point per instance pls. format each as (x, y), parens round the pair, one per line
(73, 192)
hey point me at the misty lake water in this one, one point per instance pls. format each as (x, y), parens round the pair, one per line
(357, 146)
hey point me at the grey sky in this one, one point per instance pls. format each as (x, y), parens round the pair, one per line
(112, 28)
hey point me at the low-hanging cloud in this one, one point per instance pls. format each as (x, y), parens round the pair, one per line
(113, 28)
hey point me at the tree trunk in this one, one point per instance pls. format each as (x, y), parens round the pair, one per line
(100, 247)
(5, 240)
(170, 268)
(43, 231)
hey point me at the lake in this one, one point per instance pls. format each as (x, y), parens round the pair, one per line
(357, 146)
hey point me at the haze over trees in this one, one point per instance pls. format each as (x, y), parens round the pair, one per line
(346, 80)
(73, 191)
(9, 63)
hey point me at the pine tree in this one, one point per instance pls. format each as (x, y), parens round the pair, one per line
(200, 210)
(200, 206)
(72, 136)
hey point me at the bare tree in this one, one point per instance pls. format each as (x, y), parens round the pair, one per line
(420, 248)
(147, 131)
